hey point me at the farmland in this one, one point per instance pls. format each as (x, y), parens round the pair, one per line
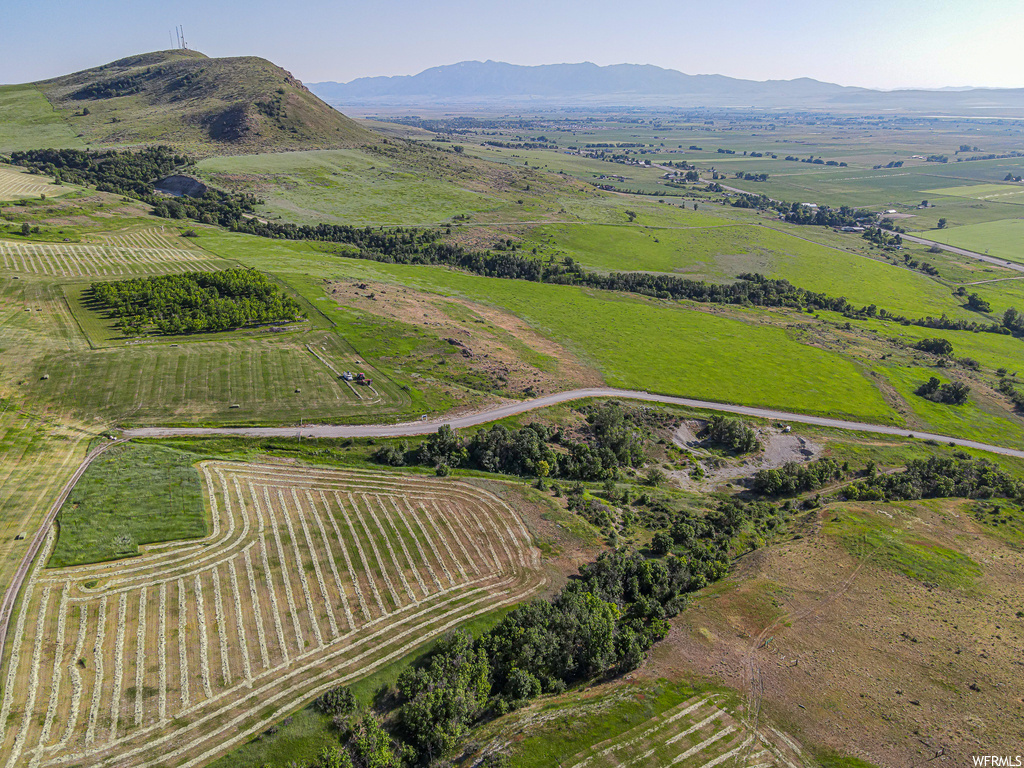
(307, 578)
(997, 238)
(234, 380)
(197, 594)
(15, 184)
(121, 256)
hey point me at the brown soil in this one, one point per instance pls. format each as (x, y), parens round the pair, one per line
(847, 655)
(490, 342)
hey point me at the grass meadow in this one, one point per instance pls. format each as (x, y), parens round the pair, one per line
(1004, 238)
(27, 121)
(635, 343)
(347, 187)
(130, 495)
(724, 252)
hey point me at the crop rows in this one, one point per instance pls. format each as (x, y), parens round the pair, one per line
(309, 578)
(86, 260)
(695, 734)
(14, 184)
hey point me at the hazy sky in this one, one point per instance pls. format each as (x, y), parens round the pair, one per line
(873, 43)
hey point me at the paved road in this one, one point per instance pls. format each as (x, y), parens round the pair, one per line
(424, 427)
(11, 595)
(925, 241)
(965, 252)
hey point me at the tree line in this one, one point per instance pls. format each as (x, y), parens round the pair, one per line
(614, 439)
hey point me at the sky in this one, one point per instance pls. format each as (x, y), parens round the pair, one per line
(868, 43)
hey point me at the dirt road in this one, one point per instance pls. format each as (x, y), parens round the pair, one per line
(424, 427)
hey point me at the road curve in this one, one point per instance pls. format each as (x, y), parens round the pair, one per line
(11, 595)
(424, 427)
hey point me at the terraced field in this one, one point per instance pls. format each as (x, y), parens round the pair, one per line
(309, 578)
(120, 258)
(15, 184)
(696, 733)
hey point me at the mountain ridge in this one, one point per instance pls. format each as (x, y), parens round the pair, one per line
(586, 83)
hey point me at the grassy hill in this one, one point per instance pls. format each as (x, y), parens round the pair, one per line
(205, 105)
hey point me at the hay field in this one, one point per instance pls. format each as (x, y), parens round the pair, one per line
(264, 379)
(308, 579)
(697, 732)
(15, 184)
(120, 258)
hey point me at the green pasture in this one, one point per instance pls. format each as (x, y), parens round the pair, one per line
(897, 549)
(992, 350)
(347, 187)
(28, 121)
(1003, 239)
(973, 419)
(652, 345)
(1002, 193)
(724, 252)
(130, 495)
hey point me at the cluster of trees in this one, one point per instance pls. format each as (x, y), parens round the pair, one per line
(603, 621)
(132, 174)
(821, 216)
(751, 176)
(958, 476)
(936, 346)
(123, 172)
(195, 302)
(614, 440)
(1013, 321)
(793, 477)
(125, 85)
(732, 434)
(950, 393)
(881, 238)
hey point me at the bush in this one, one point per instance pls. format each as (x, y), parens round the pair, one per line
(732, 434)
(935, 346)
(953, 393)
(337, 701)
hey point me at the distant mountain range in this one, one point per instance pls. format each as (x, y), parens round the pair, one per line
(636, 85)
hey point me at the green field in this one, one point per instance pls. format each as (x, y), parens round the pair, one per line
(267, 380)
(347, 187)
(635, 343)
(1002, 193)
(131, 495)
(28, 121)
(970, 419)
(1004, 239)
(906, 552)
(724, 252)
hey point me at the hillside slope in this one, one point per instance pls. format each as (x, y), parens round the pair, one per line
(244, 104)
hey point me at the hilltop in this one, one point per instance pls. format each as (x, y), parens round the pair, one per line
(242, 104)
(495, 82)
